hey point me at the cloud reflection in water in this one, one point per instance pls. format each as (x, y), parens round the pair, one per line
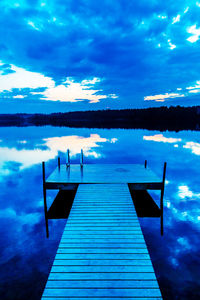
(48, 148)
(22, 235)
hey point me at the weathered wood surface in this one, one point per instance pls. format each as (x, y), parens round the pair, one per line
(103, 173)
(102, 253)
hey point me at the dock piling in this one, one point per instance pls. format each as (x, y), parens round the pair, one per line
(45, 198)
(161, 198)
(68, 158)
(58, 162)
(81, 159)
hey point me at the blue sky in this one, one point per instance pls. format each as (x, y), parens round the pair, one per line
(78, 55)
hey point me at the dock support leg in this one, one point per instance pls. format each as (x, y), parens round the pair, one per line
(45, 199)
(81, 159)
(68, 159)
(161, 199)
(59, 163)
(161, 211)
(45, 212)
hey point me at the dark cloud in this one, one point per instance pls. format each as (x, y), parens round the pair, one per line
(125, 43)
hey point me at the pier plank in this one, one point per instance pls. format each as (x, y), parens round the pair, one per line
(102, 253)
(99, 292)
(100, 298)
(102, 284)
(102, 276)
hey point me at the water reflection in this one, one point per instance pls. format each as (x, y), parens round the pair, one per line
(161, 138)
(26, 256)
(48, 148)
(195, 147)
(76, 143)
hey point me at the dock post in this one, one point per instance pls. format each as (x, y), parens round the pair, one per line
(145, 163)
(81, 159)
(161, 198)
(45, 199)
(59, 163)
(68, 158)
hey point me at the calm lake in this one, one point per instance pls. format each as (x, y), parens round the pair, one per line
(26, 256)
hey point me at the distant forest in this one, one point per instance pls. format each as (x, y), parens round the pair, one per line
(174, 118)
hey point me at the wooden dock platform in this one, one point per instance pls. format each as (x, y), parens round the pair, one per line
(135, 174)
(102, 253)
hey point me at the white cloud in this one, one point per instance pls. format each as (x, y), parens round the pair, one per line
(19, 97)
(23, 79)
(69, 91)
(76, 143)
(162, 17)
(161, 138)
(32, 24)
(195, 147)
(195, 87)
(22, 142)
(27, 157)
(176, 19)
(194, 91)
(185, 192)
(163, 97)
(113, 140)
(195, 34)
(90, 81)
(72, 91)
(171, 46)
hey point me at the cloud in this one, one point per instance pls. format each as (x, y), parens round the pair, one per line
(195, 147)
(75, 92)
(195, 34)
(134, 49)
(161, 138)
(162, 98)
(48, 148)
(176, 19)
(20, 79)
(185, 193)
(76, 144)
(194, 91)
(19, 96)
(196, 86)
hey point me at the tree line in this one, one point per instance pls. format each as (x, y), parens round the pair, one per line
(162, 118)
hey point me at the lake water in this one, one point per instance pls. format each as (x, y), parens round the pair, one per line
(26, 256)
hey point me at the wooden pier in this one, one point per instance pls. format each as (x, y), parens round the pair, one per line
(102, 253)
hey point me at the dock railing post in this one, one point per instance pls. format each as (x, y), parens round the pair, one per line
(161, 198)
(145, 163)
(59, 163)
(45, 199)
(81, 159)
(68, 158)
